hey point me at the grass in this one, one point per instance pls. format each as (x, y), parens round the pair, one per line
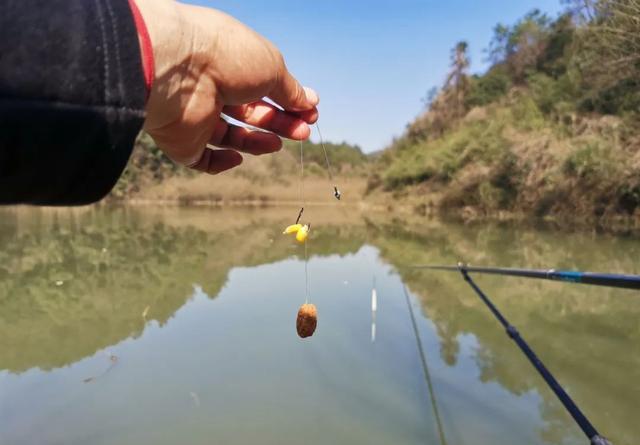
(511, 156)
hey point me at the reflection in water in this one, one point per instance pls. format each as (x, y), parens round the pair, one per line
(588, 336)
(73, 284)
(71, 289)
(140, 285)
(425, 369)
(374, 311)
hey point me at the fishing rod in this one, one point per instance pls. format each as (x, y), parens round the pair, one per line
(585, 425)
(569, 276)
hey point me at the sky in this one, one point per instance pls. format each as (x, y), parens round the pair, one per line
(372, 62)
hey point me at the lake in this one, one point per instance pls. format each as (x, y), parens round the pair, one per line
(165, 326)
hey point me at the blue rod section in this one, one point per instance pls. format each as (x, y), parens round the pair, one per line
(567, 276)
(585, 425)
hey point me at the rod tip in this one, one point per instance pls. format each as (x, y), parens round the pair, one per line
(599, 440)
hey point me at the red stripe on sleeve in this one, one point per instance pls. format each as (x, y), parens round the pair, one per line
(148, 63)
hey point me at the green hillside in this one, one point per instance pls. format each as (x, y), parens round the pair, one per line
(550, 129)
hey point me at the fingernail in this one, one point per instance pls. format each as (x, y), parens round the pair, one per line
(312, 96)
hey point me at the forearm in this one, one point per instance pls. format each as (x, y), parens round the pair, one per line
(72, 99)
(72, 93)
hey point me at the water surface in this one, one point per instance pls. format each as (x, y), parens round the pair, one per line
(142, 326)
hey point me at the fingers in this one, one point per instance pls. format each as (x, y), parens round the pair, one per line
(290, 95)
(264, 115)
(233, 139)
(248, 141)
(216, 161)
(227, 135)
(309, 116)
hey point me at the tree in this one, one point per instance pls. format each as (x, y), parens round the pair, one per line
(520, 46)
(431, 96)
(530, 42)
(610, 42)
(499, 46)
(447, 104)
(583, 11)
(457, 84)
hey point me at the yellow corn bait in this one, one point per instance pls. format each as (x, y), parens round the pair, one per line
(302, 234)
(292, 229)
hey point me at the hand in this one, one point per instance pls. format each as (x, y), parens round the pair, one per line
(208, 63)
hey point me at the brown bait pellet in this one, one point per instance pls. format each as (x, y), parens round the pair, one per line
(307, 320)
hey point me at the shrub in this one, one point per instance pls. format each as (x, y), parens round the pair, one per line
(526, 114)
(488, 88)
(591, 163)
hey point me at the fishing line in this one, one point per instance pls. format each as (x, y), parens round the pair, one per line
(336, 191)
(425, 369)
(302, 200)
(307, 318)
(306, 274)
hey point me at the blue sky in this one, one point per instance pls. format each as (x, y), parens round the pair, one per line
(373, 61)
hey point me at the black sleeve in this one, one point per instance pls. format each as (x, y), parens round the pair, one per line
(72, 98)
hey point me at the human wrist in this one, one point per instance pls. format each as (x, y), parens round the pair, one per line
(166, 30)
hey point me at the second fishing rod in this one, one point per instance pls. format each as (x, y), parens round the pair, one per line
(567, 276)
(580, 418)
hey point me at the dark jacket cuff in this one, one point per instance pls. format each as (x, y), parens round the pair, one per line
(72, 98)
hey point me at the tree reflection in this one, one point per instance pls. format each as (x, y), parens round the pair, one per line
(586, 335)
(74, 284)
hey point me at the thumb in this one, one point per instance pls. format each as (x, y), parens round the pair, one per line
(290, 95)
